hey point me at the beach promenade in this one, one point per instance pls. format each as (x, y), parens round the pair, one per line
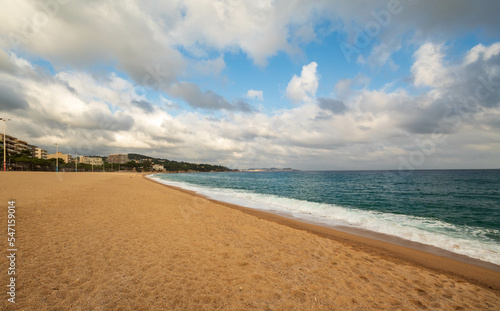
(118, 241)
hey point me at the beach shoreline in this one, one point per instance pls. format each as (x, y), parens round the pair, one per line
(479, 272)
(102, 241)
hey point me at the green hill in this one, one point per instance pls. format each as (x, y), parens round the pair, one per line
(172, 166)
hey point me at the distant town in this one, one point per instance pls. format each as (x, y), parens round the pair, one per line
(22, 156)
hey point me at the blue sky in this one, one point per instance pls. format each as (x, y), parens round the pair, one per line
(305, 84)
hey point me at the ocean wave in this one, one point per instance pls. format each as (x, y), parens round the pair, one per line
(473, 242)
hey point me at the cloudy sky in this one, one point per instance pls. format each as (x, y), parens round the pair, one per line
(306, 84)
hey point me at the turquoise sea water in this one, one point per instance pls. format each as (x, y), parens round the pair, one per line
(456, 210)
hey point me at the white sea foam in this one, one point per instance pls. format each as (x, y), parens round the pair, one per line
(467, 241)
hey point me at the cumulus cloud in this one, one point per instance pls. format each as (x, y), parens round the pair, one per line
(209, 100)
(379, 56)
(10, 99)
(80, 34)
(346, 87)
(303, 88)
(5, 63)
(482, 52)
(380, 26)
(144, 105)
(57, 111)
(210, 67)
(102, 114)
(459, 93)
(428, 68)
(93, 111)
(333, 105)
(253, 94)
(258, 28)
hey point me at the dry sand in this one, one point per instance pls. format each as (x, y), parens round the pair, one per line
(111, 241)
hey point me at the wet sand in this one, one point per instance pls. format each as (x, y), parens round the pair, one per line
(100, 241)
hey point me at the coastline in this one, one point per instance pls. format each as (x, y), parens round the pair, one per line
(473, 270)
(119, 241)
(441, 219)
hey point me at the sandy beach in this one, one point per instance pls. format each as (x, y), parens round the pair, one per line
(118, 241)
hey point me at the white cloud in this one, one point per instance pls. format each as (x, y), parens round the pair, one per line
(210, 67)
(303, 88)
(358, 127)
(258, 28)
(208, 100)
(97, 116)
(253, 94)
(103, 114)
(345, 87)
(380, 55)
(481, 51)
(78, 34)
(428, 68)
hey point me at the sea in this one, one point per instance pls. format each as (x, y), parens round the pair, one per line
(453, 210)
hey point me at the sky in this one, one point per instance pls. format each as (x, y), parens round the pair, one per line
(312, 85)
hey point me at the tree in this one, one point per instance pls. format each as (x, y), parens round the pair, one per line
(23, 159)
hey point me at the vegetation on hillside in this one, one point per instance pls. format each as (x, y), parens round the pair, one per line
(24, 161)
(173, 166)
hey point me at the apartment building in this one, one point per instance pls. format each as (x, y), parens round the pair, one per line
(10, 142)
(40, 153)
(20, 146)
(66, 157)
(90, 160)
(15, 145)
(158, 167)
(118, 158)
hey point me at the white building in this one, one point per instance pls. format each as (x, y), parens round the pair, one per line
(90, 160)
(66, 157)
(40, 153)
(118, 158)
(158, 167)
